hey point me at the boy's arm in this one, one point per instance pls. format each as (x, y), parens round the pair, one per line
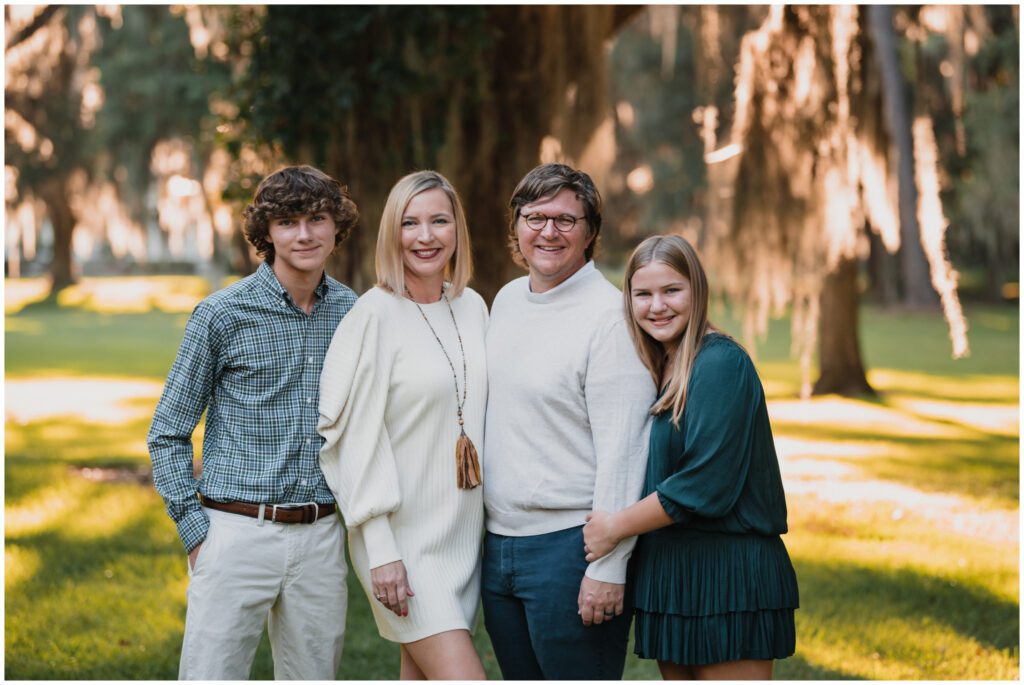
(181, 405)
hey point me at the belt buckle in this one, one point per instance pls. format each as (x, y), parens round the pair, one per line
(304, 506)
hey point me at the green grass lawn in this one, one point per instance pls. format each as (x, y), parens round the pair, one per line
(903, 511)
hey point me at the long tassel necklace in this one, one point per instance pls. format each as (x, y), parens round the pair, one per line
(467, 464)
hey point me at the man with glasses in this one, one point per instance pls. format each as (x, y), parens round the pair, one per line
(566, 433)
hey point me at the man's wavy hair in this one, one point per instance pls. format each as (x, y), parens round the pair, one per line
(294, 191)
(546, 181)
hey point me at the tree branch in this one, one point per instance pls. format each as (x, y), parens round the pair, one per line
(38, 22)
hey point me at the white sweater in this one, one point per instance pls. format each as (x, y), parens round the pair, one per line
(567, 416)
(389, 420)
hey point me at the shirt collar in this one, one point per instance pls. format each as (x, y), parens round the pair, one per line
(324, 287)
(265, 277)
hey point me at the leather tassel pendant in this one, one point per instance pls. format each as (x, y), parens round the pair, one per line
(467, 464)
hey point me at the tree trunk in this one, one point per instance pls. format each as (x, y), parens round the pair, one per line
(241, 261)
(842, 371)
(917, 289)
(62, 218)
(543, 54)
(883, 269)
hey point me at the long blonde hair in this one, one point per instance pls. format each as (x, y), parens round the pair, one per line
(676, 253)
(388, 259)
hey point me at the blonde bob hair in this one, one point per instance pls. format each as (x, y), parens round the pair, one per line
(676, 253)
(389, 264)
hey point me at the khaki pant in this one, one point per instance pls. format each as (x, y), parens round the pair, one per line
(290, 575)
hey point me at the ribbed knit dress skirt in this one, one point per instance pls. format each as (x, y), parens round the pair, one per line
(442, 561)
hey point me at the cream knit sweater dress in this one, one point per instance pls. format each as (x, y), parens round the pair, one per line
(388, 417)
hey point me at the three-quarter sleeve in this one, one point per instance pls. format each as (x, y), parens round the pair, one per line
(719, 427)
(356, 456)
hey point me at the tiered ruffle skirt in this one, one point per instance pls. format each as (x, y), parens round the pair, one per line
(705, 598)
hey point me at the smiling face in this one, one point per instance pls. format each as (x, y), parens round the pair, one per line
(662, 299)
(428, 239)
(302, 243)
(553, 256)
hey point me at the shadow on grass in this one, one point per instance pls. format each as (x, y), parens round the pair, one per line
(883, 401)
(938, 392)
(851, 598)
(45, 305)
(119, 598)
(797, 667)
(103, 607)
(113, 607)
(40, 453)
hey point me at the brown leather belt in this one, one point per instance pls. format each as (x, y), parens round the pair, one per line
(276, 513)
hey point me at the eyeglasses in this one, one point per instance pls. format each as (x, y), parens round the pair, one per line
(563, 222)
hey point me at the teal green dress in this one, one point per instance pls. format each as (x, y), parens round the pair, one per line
(718, 584)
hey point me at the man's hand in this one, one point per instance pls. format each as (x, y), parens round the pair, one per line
(192, 557)
(599, 602)
(391, 587)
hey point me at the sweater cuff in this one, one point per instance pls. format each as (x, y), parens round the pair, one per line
(380, 541)
(612, 567)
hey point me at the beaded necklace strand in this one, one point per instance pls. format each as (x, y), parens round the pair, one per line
(466, 460)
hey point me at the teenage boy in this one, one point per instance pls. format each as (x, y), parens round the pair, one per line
(264, 543)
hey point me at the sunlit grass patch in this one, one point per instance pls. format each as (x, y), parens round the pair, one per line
(903, 511)
(95, 399)
(79, 442)
(887, 593)
(856, 417)
(970, 388)
(69, 343)
(892, 534)
(19, 292)
(20, 564)
(113, 294)
(124, 295)
(992, 418)
(119, 598)
(49, 506)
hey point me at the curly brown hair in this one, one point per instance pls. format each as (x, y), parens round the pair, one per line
(545, 181)
(294, 191)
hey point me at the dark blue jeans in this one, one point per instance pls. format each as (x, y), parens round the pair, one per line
(530, 594)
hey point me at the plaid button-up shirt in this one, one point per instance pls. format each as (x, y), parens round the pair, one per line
(252, 359)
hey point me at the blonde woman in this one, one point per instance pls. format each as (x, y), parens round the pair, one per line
(402, 401)
(714, 589)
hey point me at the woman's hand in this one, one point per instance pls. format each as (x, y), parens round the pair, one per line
(599, 535)
(391, 587)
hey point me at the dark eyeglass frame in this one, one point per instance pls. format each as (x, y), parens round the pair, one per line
(553, 219)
